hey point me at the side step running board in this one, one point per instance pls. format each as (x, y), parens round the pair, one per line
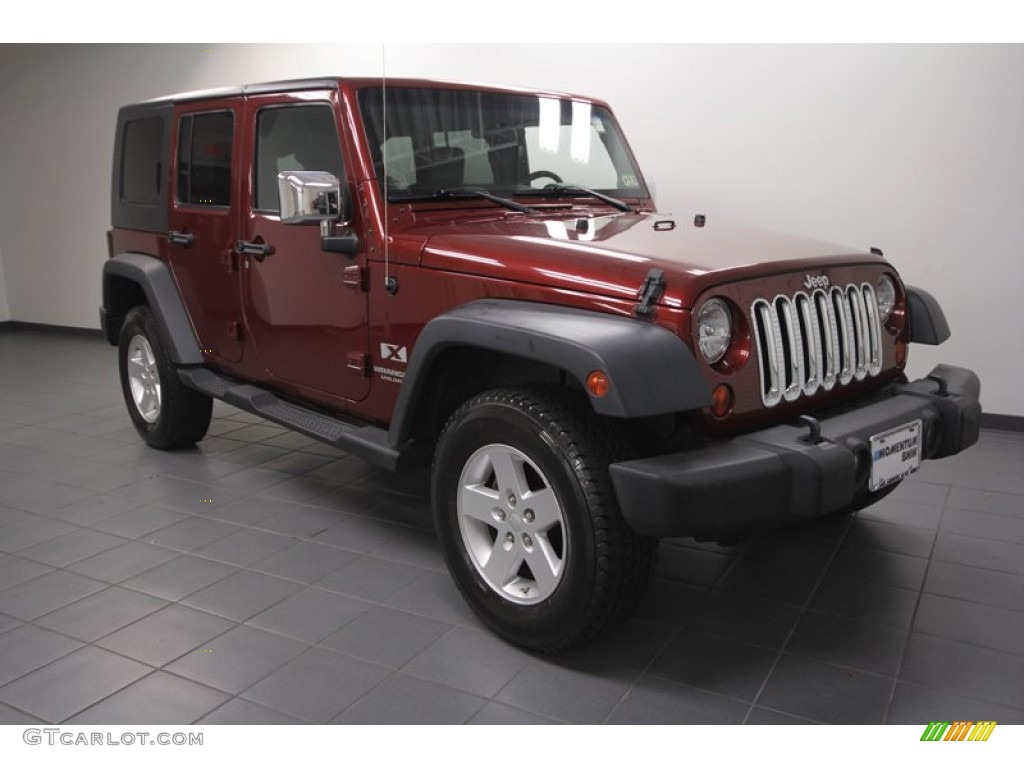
(364, 441)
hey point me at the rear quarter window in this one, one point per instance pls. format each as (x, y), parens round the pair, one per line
(139, 182)
(142, 164)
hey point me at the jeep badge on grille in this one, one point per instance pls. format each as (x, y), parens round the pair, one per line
(811, 282)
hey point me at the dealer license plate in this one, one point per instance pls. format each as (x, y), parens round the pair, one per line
(895, 454)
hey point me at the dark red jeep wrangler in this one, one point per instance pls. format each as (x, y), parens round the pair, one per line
(475, 281)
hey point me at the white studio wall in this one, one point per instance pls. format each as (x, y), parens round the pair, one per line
(5, 313)
(913, 149)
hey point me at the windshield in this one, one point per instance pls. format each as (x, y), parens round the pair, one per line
(504, 143)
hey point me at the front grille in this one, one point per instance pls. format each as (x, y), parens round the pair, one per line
(808, 342)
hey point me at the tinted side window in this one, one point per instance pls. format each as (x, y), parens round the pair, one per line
(205, 145)
(141, 165)
(302, 138)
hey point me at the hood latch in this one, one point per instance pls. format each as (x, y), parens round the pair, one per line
(650, 292)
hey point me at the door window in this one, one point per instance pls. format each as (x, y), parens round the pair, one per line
(300, 138)
(204, 159)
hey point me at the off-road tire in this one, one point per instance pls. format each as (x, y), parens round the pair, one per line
(564, 448)
(181, 416)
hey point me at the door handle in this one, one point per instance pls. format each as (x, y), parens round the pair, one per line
(258, 250)
(181, 238)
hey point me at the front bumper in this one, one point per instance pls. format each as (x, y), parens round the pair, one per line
(783, 474)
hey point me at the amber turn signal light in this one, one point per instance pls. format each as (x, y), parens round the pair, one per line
(721, 401)
(901, 352)
(598, 384)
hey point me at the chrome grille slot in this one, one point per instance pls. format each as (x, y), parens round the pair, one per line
(860, 331)
(874, 362)
(792, 347)
(829, 338)
(769, 351)
(806, 343)
(845, 328)
(810, 328)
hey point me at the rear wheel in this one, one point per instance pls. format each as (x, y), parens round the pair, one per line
(165, 412)
(528, 520)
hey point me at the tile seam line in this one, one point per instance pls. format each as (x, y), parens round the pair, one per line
(803, 610)
(139, 680)
(644, 671)
(913, 618)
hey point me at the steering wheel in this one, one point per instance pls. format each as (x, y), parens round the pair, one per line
(541, 174)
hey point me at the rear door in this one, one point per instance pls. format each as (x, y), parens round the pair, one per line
(202, 221)
(305, 309)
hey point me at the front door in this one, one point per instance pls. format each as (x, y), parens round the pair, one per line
(305, 309)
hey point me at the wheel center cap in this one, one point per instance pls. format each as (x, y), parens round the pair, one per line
(515, 522)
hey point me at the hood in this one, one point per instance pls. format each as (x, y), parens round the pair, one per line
(611, 255)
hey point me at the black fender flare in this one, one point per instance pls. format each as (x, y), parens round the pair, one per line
(156, 281)
(651, 370)
(926, 320)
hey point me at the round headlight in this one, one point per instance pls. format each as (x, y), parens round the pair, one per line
(714, 329)
(885, 295)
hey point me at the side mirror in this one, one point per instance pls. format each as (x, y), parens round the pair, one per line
(308, 196)
(318, 196)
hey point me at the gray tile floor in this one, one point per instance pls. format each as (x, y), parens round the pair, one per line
(264, 578)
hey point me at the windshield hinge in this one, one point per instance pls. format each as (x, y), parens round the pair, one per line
(354, 276)
(650, 292)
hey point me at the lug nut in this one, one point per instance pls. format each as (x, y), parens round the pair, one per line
(510, 538)
(500, 514)
(512, 500)
(527, 541)
(528, 515)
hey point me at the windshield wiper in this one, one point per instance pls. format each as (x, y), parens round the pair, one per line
(457, 192)
(572, 189)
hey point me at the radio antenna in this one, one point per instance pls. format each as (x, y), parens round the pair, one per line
(390, 283)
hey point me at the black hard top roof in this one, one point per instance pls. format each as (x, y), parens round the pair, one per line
(328, 83)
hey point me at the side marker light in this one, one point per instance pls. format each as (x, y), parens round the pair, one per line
(598, 383)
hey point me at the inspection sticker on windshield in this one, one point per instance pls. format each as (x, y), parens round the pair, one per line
(895, 454)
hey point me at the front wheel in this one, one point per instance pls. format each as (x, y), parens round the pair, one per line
(166, 414)
(528, 520)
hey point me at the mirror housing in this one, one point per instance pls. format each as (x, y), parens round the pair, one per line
(318, 196)
(312, 196)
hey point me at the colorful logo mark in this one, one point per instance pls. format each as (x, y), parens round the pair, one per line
(960, 730)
